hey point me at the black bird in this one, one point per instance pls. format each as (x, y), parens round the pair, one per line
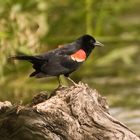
(63, 60)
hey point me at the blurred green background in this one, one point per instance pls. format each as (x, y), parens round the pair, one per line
(35, 26)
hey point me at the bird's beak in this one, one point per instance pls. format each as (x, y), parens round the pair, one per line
(97, 43)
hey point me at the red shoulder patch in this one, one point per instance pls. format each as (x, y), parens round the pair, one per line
(79, 56)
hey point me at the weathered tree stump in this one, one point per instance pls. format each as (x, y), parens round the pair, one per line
(74, 113)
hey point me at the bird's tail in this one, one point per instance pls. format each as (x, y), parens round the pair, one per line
(24, 57)
(35, 60)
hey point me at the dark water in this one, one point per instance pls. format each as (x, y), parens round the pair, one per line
(130, 117)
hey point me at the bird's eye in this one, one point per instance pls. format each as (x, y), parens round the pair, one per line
(91, 41)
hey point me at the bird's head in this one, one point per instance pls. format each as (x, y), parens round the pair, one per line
(88, 43)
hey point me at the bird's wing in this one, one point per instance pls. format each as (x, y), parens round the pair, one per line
(63, 51)
(67, 49)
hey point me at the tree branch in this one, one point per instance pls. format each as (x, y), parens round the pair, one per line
(73, 113)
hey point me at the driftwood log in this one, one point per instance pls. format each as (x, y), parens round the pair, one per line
(74, 113)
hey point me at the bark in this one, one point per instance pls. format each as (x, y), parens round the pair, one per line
(72, 113)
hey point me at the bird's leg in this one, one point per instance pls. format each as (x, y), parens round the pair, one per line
(59, 81)
(67, 76)
(72, 81)
(58, 87)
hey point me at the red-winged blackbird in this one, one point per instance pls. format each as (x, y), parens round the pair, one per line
(62, 61)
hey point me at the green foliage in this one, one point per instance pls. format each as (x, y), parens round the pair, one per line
(125, 54)
(35, 26)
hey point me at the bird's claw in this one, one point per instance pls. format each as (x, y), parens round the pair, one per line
(60, 86)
